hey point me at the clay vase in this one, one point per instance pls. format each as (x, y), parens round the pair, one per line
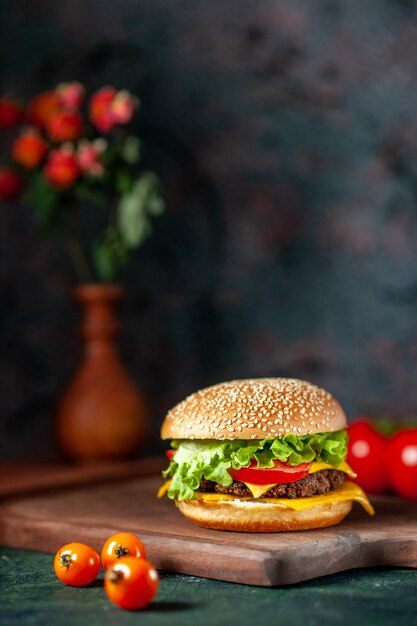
(101, 415)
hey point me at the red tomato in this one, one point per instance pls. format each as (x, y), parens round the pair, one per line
(367, 456)
(121, 546)
(131, 583)
(76, 564)
(402, 463)
(281, 473)
(169, 454)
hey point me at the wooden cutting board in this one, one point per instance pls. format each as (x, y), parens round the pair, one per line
(44, 520)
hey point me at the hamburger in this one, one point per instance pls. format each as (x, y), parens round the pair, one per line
(260, 455)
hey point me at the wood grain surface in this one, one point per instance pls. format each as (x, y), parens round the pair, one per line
(90, 513)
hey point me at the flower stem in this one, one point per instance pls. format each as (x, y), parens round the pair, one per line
(75, 249)
(78, 259)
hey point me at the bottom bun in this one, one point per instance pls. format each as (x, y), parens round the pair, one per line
(261, 517)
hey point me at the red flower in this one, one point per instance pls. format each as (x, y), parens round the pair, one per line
(88, 156)
(29, 149)
(11, 113)
(42, 108)
(61, 169)
(71, 95)
(10, 184)
(123, 107)
(65, 126)
(109, 107)
(100, 109)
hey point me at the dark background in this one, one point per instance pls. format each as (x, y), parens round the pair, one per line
(285, 136)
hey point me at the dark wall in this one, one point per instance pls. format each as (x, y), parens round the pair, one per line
(285, 135)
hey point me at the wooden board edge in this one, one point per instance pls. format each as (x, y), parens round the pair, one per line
(377, 551)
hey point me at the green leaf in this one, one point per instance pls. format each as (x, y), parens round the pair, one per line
(148, 187)
(210, 459)
(135, 207)
(130, 150)
(109, 254)
(44, 201)
(123, 181)
(133, 222)
(156, 205)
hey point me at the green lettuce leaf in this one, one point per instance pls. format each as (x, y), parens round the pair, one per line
(211, 459)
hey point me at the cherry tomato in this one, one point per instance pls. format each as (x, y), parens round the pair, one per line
(367, 456)
(281, 473)
(76, 564)
(131, 583)
(120, 546)
(402, 463)
(169, 454)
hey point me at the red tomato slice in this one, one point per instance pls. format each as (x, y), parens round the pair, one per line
(281, 473)
(169, 454)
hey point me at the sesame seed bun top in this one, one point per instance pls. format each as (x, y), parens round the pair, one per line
(254, 409)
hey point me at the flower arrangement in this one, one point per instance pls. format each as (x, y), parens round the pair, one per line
(71, 150)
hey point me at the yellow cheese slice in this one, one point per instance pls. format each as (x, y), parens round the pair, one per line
(163, 489)
(258, 490)
(348, 491)
(317, 466)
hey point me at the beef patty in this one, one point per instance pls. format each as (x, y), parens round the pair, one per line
(312, 485)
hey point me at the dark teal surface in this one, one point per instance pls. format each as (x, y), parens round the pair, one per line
(30, 594)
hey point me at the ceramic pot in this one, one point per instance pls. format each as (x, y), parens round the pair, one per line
(101, 415)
